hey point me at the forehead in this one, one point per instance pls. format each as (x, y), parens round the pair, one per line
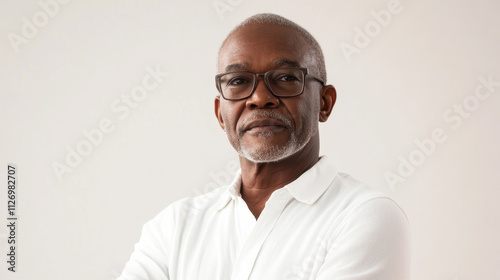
(261, 47)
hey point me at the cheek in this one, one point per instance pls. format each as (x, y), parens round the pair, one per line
(308, 112)
(229, 115)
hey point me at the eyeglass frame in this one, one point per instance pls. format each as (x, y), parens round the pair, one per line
(265, 75)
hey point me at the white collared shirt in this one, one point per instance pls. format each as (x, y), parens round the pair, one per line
(324, 225)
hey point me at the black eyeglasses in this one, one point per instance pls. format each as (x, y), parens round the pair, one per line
(281, 82)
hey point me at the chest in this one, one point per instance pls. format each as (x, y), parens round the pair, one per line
(282, 244)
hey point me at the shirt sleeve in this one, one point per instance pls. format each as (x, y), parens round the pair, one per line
(373, 244)
(150, 257)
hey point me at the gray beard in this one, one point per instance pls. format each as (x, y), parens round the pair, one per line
(269, 153)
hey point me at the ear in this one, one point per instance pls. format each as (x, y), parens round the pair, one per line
(328, 98)
(217, 111)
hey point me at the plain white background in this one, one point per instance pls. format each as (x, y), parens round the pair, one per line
(70, 70)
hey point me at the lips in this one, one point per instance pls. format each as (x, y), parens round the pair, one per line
(263, 124)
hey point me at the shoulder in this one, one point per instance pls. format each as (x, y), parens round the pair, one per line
(364, 207)
(345, 192)
(350, 202)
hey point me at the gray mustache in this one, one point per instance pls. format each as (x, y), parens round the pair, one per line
(268, 115)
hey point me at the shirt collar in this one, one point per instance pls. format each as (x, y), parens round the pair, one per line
(232, 191)
(306, 189)
(314, 182)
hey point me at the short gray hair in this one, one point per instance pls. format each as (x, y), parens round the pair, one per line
(268, 18)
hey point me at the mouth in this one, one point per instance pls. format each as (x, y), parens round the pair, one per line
(261, 125)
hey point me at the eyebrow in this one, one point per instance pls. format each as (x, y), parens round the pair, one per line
(236, 66)
(277, 62)
(286, 62)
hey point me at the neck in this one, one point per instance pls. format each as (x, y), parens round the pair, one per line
(260, 180)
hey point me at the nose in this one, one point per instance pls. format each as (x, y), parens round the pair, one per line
(262, 97)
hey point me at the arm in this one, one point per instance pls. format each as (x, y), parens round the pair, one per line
(150, 257)
(373, 243)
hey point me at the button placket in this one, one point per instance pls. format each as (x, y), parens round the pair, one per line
(263, 227)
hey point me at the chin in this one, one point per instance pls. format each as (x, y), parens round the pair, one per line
(270, 153)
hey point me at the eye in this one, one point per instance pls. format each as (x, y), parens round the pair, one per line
(238, 81)
(286, 78)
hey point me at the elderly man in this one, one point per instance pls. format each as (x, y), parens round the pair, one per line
(288, 214)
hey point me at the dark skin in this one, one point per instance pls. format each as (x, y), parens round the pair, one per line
(259, 48)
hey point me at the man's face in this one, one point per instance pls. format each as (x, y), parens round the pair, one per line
(265, 128)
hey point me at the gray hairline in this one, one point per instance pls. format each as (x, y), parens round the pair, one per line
(268, 18)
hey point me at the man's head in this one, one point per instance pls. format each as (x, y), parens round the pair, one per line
(267, 127)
